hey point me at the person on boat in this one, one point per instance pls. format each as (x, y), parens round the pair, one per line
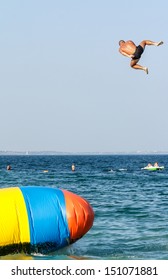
(149, 165)
(134, 52)
(156, 164)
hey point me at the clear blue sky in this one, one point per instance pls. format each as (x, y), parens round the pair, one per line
(64, 86)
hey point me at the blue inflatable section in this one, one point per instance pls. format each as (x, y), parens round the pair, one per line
(46, 215)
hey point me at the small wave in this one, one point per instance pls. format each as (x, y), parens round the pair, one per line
(122, 169)
(111, 170)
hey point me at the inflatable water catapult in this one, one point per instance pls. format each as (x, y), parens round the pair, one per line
(41, 219)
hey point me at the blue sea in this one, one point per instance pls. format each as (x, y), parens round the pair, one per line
(130, 204)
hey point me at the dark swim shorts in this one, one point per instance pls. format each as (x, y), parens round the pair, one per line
(138, 52)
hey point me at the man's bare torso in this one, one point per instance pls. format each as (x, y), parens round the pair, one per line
(128, 47)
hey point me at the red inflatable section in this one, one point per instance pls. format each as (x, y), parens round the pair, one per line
(80, 215)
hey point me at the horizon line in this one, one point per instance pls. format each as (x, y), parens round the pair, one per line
(81, 153)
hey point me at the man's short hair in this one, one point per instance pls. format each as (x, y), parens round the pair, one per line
(121, 41)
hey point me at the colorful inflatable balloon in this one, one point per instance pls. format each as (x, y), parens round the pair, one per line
(41, 219)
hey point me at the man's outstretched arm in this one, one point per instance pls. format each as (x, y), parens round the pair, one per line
(125, 54)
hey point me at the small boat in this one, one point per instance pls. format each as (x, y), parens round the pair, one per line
(153, 168)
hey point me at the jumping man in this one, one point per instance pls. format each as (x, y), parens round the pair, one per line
(129, 49)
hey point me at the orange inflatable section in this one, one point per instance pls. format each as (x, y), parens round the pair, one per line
(80, 215)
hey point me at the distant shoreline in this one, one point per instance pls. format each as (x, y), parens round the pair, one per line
(52, 153)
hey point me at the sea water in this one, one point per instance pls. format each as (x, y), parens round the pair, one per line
(130, 204)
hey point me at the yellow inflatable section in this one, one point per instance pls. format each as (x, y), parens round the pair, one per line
(13, 216)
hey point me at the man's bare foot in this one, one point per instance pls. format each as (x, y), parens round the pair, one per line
(146, 70)
(159, 43)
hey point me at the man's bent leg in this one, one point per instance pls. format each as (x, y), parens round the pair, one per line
(150, 43)
(134, 65)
